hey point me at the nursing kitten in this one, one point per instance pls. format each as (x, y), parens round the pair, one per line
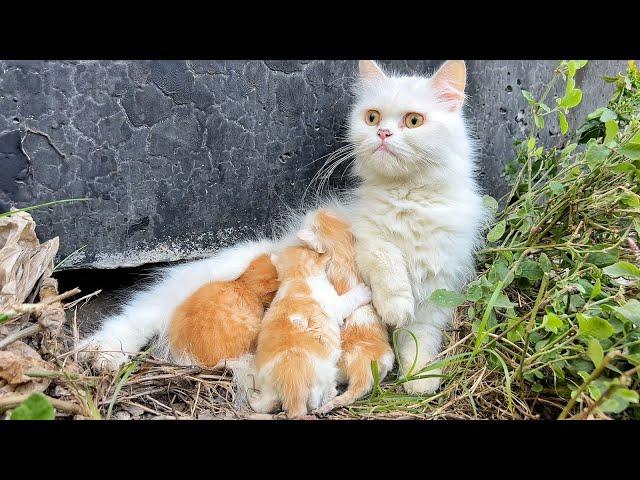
(147, 314)
(364, 338)
(417, 213)
(221, 320)
(299, 341)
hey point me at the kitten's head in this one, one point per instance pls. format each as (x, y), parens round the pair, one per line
(324, 231)
(298, 262)
(408, 126)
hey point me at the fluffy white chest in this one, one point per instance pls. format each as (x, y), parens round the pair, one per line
(435, 232)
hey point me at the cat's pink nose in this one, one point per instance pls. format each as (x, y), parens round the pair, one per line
(384, 133)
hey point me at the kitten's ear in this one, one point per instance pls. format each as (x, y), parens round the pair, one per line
(369, 70)
(449, 82)
(310, 239)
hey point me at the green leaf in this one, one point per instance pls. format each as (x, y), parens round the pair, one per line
(597, 113)
(619, 401)
(603, 259)
(635, 139)
(490, 203)
(596, 154)
(594, 327)
(562, 121)
(629, 395)
(35, 407)
(572, 98)
(556, 187)
(497, 231)
(631, 151)
(545, 263)
(531, 143)
(611, 128)
(608, 115)
(526, 94)
(595, 351)
(551, 322)
(446, 298)
(622, 269)
(630, 311)
(539, 121)
(531, 270)
(597, 289)
(474, 292)
(631, 199)
(502, 301)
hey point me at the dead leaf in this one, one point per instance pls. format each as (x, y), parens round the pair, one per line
(23, 259)
(17, 359)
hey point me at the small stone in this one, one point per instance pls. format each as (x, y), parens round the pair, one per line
(121, 415)
(136, 412)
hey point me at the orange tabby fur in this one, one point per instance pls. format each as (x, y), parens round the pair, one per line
(299, 340)
(221, 320)
(364, 337)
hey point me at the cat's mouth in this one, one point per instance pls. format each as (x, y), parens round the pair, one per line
(384, 148)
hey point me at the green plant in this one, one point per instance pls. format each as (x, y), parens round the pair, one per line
(35, 407)
(561, 277)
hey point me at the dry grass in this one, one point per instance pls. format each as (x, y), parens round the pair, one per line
(151, 388)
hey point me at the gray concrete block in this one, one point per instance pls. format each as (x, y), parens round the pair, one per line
(179, 158)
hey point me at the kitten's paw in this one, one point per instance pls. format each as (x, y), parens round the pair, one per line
(424, 386)
(101, 355)
(396, 311)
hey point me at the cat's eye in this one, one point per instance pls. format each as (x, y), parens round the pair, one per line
(372, 117)
(413, 120)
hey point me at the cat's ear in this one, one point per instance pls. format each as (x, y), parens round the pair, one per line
(449, 82)
(369, 70)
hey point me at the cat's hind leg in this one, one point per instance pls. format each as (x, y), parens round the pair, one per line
(416, 353)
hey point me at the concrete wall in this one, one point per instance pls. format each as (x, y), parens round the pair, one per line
(181, 157)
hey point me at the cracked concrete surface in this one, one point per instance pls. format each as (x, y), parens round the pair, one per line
(179, 158)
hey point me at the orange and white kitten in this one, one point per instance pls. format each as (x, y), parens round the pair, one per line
(299, 341)
(364, 337)
(221, 320)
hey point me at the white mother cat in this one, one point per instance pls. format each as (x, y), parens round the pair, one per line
(417, 214)
(416, 217)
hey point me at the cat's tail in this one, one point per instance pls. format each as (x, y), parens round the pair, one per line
(148, 312)
(292, 379)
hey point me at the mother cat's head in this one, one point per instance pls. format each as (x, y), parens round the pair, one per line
(410, 127)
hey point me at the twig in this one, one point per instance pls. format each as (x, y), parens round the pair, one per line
(86, 298)
(10, 401)
(37, 308)
(25, 332)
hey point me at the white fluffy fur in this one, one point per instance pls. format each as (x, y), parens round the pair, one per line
(416, 217)
(417, 214)
(146, 315)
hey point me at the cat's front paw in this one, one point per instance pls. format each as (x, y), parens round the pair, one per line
(395, 311)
